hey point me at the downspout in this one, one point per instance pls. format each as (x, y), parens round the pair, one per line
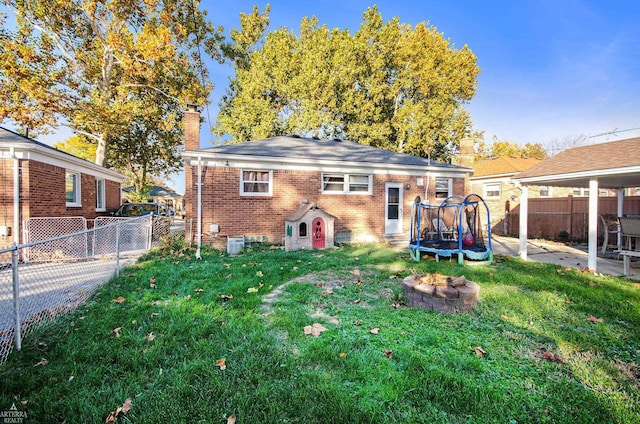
(16, 196)
(199, 218)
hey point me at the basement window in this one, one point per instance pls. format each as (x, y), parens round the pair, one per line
(72, 188)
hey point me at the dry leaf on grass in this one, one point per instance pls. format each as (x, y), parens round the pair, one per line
(374, 330)
(42, 363)
(231, 419)
(222, 364)
(594, 319)
(315, 330)
(226, 296)
(119, 299)
(116, 331)
(113, 416)
(150, 337)
(479, 351)
(153, 286)
(152, 279)
(388, 353)
(551, 357)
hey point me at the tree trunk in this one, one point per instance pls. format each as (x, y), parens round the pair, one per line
(101, 151)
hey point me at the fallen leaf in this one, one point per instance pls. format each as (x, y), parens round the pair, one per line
(221, 363)
(199, 290)
(357, 322)
(388, 353)
(329, 291)
(259, 274)
(126, 406)
(116, 331)
(479, 351)
(152, 279)
(315, 330)
(226, 296)
(594, 319)
(42, 363)
(119, 299)
(355, 272)
(153, 286)
(343, 355)
(505, 317)
(138, 288)
(231, 419)
(150, 337)
(154, 314)
(187, 297)
(374, 330)
(323, 294)
(551, 357)
(71, 378)
(252, 290)
(357, 301)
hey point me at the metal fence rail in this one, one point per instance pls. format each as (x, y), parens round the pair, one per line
(37, 287)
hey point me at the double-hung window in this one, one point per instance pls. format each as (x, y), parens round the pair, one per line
(72, 188)
(443, 188)
(256, 182)
(346, 183)
(100, 197)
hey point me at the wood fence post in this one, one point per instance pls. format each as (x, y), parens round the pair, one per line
(570, 207)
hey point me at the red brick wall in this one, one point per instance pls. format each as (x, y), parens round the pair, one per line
(42, 194)
(362, 215)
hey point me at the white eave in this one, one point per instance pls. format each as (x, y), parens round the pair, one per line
(577, 179)
(51, 156)
(271, 162)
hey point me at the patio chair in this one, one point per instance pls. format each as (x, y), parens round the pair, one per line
(609, 227)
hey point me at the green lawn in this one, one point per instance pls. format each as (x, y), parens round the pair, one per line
(560, 346)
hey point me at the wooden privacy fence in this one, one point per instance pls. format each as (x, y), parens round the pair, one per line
(559, 217)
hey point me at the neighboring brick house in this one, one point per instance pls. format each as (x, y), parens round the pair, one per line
(249, 189)
(40, 181)
(491, 180)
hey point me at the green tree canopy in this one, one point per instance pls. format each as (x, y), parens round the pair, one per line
(502, 148)
(94, 66)
(388, 85)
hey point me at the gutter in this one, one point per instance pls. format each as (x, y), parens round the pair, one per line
(16, 196)
(199, 217)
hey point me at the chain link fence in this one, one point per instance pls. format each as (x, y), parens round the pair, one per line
(46, 277)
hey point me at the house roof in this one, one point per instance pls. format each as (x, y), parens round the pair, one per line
(614, 164)
(503, 166)
(30, 149)
(310, 151)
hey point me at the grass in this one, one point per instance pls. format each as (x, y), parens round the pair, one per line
(178, 321)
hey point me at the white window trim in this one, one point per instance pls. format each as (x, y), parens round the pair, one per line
(78, 189)
(549, 191)
(486, 189)
(345, 186)
(252, 193)
(449, 188)
(102, 198)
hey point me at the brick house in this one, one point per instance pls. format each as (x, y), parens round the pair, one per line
(249, 189)
(40, 181)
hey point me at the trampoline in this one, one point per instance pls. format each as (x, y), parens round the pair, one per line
(458, 226)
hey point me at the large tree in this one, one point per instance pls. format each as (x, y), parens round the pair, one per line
(388, 85)
(94, 64)
(504, 148)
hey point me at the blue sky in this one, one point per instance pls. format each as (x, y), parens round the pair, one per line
(550, 69)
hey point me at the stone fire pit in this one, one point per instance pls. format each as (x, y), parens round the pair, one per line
(441, 293)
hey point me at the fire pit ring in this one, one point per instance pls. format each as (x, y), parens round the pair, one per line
(441, 293)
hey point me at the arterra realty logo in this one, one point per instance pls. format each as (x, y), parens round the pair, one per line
(12, 415)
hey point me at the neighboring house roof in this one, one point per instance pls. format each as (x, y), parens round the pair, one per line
(156, 191)
(614, 164)
(308, 152)
(29, 149)
(502, 166)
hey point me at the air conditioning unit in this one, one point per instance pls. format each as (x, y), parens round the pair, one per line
(235, 245)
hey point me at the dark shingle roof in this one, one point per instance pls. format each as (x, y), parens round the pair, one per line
(322, 150)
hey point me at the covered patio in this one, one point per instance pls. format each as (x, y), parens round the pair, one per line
(612, 165)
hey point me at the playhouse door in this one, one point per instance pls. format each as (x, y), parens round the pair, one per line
(393, 208)
(318, 233)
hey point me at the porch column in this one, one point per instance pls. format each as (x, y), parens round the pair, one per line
(593, 224)
(620, 213)
(524, 212)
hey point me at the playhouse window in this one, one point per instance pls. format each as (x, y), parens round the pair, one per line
(100, 202)
(346, 183)
(72, 188)
(256, 182)
(302, 229)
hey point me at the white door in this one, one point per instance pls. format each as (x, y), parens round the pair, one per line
(393, 208)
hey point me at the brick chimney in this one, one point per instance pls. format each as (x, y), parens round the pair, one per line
(467, 159)
(191, 123)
